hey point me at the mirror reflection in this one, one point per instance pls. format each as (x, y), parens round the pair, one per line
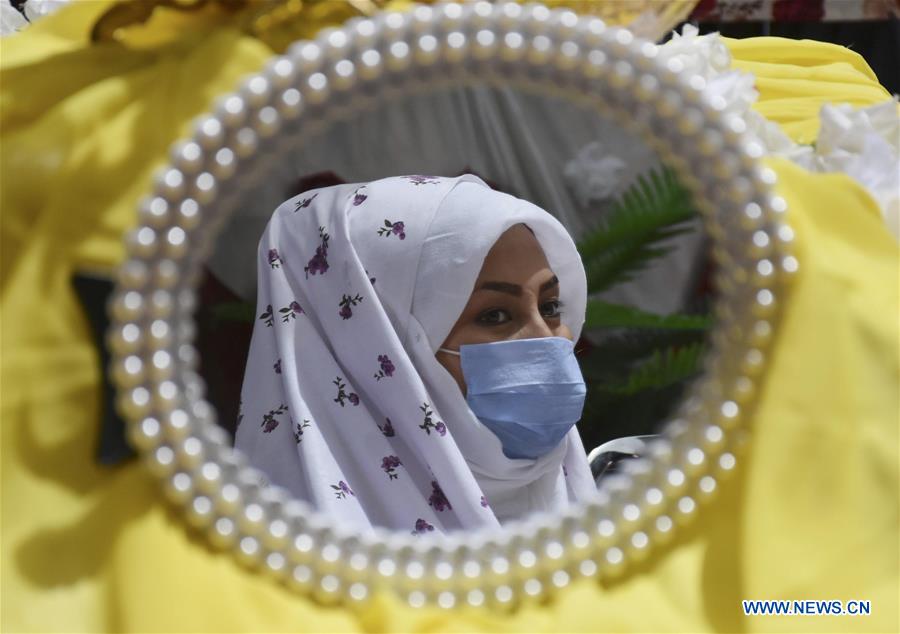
(467, 307)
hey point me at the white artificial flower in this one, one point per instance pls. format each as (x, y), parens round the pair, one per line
(36, 9)
(843, 126)
(11, 21)
(864, 143)
(594, 173)
(705, 55)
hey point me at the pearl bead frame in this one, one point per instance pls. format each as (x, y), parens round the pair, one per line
(340, 73)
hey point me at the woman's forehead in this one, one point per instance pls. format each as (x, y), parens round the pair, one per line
(516, 252)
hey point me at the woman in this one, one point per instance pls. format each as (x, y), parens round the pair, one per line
(412, 363)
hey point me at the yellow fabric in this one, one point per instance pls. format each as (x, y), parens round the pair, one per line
(795, 78)
(811, 514)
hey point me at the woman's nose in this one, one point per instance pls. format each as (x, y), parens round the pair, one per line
(536, 326)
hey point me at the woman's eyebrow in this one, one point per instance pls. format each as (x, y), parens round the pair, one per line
(551, 283)
(515, 289)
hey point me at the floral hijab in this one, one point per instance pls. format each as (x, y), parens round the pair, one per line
(343, 401)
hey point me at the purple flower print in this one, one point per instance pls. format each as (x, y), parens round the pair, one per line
(387, 367)
(267, 316)
(393, 228)
(388, 429)
(422, 527)
(290, 312)
(346, 302)
(421, 179)
(358, 198)
(298, 430)
(389, 465)
(305, 202)
(342, 490)
(438, 500)
(269, 422)
(565, 471)
(484, 502)
(277, 366)
(371, 279)
(274, 259)
(319, 262)
(342, 393)
(428, 424)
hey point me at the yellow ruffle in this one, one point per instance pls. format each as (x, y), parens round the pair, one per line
(811, 514)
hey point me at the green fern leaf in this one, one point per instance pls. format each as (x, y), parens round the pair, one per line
(665, 367)
(652, 210)
(602, 314)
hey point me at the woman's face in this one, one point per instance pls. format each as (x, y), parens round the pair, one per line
(516, 296)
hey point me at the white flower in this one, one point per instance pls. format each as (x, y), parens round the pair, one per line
(705, 55)
(594, 173)
(864, 144)
(36, 9)
(843, 126)
(11, 21)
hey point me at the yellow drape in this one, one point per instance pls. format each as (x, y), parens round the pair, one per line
(811, 514)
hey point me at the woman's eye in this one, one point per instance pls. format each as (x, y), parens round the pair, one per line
(495, 316)
(551, 308)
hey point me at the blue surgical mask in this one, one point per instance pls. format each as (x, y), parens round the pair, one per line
(529, 392)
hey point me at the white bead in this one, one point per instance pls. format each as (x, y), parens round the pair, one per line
(568, 55)
(132, 273)
(316, 88)
(422, 20)
(135, 403)
(223, 164)
(187, 156)
(256, 91)
(591, 31)
(362, 31)
(200, 512)
(455, 47)
(426, 50)
(222, 532)
(161, 461)
(540, 49)
(146, 434)
(178, 487)
(398, 56)
(154, 211)
(127, 306)
(204, 188)
(176, 243)
(281, 72)
(481, 12)
(246, 142)
(344, 74)
(209, 132)
(307, 56)
(128, 372)
(290, 103)
(267, 122)
(512, 48)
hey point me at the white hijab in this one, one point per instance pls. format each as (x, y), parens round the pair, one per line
(343, 401)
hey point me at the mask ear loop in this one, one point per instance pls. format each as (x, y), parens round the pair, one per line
(448, 351)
